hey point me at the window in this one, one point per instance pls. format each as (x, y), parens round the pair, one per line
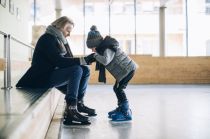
(147, 28)
(99, 16)
(122, 24)
(129, 8)
(89, 9)
(207, 10)
(207, 1)
(198, 25)
(208, 48)
(175, 26)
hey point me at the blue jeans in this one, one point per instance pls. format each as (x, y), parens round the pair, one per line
(71, 81)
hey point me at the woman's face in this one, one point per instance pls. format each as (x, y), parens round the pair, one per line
(66, 30)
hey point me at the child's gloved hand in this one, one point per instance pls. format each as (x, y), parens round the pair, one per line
(90, 59)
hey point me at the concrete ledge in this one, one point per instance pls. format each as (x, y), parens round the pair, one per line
(35, 121)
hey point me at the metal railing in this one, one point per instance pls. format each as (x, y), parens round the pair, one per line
(7, 57)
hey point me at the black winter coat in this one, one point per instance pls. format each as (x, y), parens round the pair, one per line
(46, 58)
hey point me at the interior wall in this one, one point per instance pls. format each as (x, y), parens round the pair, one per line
(164, 70)
(11, 24)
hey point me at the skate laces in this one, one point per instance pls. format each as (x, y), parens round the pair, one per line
(84, 107)
(126, 112)
(117, 109)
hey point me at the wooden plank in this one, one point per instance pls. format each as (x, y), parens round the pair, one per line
(18, 65)
(166, 70)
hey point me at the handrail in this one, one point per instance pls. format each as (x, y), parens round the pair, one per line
(7, 71)
(17, 40)
(1, 32)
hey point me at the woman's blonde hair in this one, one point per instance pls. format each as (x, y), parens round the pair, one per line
(61, 22)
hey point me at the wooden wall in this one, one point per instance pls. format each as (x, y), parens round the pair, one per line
(2, 64)
(165, 70)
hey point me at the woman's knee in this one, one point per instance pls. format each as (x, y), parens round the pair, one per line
(75, 70)
(78, 69)
(86, 70)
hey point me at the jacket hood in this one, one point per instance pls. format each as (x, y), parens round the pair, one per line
(109, 41)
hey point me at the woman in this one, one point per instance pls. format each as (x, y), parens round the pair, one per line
(53, 65)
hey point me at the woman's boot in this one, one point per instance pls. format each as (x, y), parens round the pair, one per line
(84, 109)
(73, 117)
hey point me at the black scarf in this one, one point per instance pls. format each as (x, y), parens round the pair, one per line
(107, 43)
(69, 52)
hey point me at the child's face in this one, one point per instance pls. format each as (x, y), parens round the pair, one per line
(93, 49)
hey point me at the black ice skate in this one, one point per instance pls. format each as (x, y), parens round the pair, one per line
(65, 111)
(84, 109)
(73, 117)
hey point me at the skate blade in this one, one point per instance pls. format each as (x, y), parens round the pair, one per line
(109, 116)
(89, 115)
(121, 122)
(76, 124)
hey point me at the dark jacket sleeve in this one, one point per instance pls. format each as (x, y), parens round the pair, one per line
(52, 52)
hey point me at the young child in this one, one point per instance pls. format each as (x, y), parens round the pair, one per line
(109, 55)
